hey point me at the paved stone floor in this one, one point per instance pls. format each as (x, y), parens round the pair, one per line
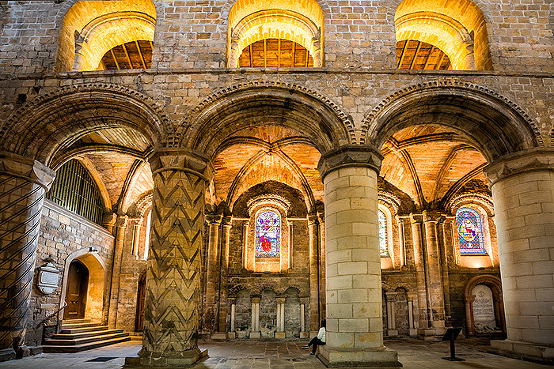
(413, 354)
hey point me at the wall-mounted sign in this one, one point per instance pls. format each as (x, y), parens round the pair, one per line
(48, 278)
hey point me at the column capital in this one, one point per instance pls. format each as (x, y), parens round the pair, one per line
(26, 168)
(184, 160)
(214, 219)
(366, 156)
(121, 221)
(537, 159)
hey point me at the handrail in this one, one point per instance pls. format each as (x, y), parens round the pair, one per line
(52, 315)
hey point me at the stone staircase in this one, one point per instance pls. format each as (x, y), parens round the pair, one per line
(83, 334)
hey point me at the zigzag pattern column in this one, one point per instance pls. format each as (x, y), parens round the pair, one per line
(173, 274)
(23, 183)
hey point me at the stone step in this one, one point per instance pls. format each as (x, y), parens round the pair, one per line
(76, 321)
(83, 347)
(76, 336)
(66, 330)
(82, 341)
(79, 325)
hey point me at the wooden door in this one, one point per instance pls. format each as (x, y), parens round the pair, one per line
(76, 295)
(141, 296)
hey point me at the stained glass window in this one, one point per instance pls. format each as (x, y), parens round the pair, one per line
(268, 234)
(470, 232)
(383, 235)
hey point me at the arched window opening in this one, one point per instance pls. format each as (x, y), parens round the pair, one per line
(130, 55)
(268, 234)
(299, 23)
(413, 54)
(456, 27)
(383, 235)
(470, 232)
(92, 28)
(75, 189)
(275, 53)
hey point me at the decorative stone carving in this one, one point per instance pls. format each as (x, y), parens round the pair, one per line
(365, 156)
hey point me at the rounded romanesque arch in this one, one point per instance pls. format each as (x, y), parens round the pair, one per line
(265, 104)
(90, 29)
(492, 123)
(495, 286)
(48, 125)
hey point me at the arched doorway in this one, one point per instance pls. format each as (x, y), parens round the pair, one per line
(141, 296)
(77, 288)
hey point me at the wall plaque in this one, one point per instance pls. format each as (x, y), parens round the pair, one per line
(48, 278)
(483, 309)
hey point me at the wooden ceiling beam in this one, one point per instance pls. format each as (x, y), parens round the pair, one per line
(403, 54)
(115, 60)
(428, 57)
(140, 53)
(127, 56)
(413, 63)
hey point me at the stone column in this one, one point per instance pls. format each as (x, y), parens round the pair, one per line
(255, 326)
(23, 183)
(523, 194)
(434, 276)
(120, 226)
(173, 273)
(391, 313)
(280, 333)
(224, 274)
(422, 293)
(412, 313)
(354, 296)
(314, 272)
(212, 272)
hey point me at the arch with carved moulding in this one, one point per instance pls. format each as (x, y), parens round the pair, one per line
(494, 124)
(495, 285)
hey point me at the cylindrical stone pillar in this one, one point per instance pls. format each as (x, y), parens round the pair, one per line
(173, 273)
(23, 183)
(226, 226)
(120, 227)
(523, 194)
(353, 265)
(212, 272)
(314, 272)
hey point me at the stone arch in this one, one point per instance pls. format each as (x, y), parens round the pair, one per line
(42, 126)
(494, 124)
(97, 281)
(495, 285)
(267, 103)
(77, 48)
(484, 9)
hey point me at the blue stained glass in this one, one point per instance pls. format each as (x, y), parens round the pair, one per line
(470, 232)
(383, 236)
(268, 235)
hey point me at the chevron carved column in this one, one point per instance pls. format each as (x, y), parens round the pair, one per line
(23, 183)
(173, 272)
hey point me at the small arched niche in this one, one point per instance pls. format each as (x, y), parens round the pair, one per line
(93, 28)
(428, 31)
(484, 306)
(278, 28)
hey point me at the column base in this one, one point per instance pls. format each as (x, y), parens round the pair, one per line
(280, 335)
(185, 360)
(523, 350)
(392, 332)
(431, 334)
(231, 335)
(255, 334)
(380, 358)
(304, 335)
(413, 332)
(219, 336)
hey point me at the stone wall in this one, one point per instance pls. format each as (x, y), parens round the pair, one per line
(356, 34)
(64, 235)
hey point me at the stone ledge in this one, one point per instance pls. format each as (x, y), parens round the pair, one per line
(523, 350)
(185, 361)
(379, 358)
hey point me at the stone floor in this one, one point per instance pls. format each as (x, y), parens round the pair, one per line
(413, 354)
